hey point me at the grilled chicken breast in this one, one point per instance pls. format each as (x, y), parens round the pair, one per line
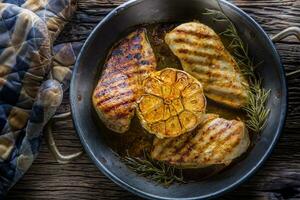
(216, 141)
(203, 55)
(119, 87)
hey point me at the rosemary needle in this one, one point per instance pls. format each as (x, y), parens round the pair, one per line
(256, 110)
(155, 170)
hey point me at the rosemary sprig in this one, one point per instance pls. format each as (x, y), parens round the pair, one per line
(157, 171)
(236, 46)
(256, 110)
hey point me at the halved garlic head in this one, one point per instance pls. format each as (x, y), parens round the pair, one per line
(173, 103)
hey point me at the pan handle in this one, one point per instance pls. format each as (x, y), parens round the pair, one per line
(284, 34)
(60, 158)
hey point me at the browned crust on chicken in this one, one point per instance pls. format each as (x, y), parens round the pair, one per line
(119, 87)
(216, 141)
(203, 55)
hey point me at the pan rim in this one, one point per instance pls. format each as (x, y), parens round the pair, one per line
(227, 188)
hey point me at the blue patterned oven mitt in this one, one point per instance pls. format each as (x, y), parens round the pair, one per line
(33, 75)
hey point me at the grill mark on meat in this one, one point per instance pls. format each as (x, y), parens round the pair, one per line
(228, 84)
(108, 81)
(124, 46)
(183, 144)
(158, 152)
(102, 91)
(229, 148)
(124, 74)
(215, 135)
(192, 61)
(215, 73)
(125, 67)
(206, 144)
(197, 34)
(167, 142)
(119, 85)
(186, 43)
(220, 142)
(120, 68)
(196, 45)
(114, 107)
(216, 123)
(187, 152)
(199, 53)
(230, 145)
(124, 114)
(128, 79)
(110, 98)
(231, 93)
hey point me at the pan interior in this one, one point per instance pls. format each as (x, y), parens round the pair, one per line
(115, 26)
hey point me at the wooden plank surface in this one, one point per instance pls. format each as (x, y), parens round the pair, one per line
(279, 178)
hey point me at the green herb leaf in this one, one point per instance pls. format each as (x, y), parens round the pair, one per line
(256, 109)
(157, 171)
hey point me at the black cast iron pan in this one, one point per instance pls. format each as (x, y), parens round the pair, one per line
(136, 12)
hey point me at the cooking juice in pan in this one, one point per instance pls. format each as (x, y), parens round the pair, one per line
(136, 139)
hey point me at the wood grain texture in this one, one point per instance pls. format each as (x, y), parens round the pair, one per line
(279, 178)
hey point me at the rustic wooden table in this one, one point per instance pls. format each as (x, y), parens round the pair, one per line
(279, 178)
